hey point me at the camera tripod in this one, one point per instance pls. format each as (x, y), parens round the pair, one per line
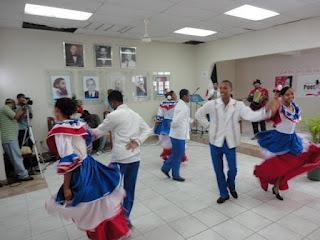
(32, 139)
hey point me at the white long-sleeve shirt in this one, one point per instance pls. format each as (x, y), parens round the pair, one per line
(125, 124)
(180, 125)
(224, 120)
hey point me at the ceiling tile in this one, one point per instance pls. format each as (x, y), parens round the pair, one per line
(180, 10)
(53, 22)
(156, 6)
(279, 6)
(305, 11)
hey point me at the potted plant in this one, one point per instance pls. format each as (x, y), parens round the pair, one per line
(313, 125)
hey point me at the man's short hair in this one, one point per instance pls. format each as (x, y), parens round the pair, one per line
(20, 95)
(8, 101)
(227, 82)
(115, 95)
(90, 79)
(183, 92)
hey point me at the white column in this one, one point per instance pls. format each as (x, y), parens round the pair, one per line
(3, 175)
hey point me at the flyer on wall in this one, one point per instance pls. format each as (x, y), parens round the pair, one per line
(308, 86)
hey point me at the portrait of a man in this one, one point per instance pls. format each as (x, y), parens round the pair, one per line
(103, 56)
(73, 55)
(60, 87)
(128, 57)
(91, 87)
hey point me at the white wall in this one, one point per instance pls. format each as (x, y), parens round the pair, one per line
(26, 55)
(289, 37)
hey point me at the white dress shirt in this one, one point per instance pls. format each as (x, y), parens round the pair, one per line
(180, 125)
(224, 120)
(125, 124)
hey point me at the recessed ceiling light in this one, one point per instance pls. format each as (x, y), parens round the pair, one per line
(46, 11)
(195, 32)
(251, 13)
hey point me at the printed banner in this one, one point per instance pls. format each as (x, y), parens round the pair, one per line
(308, 86)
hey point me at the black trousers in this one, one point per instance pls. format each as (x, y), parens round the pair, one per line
(255, 126)
(20, 138)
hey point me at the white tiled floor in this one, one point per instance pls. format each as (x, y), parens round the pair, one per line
(167, 210)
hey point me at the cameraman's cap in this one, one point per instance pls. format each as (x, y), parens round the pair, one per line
(257, 81)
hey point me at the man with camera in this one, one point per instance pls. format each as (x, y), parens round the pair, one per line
(24, 103)
(9, 136)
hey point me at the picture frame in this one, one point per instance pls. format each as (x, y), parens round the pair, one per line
(102, 55)
(128, 58)
(73, 54)
(60, 84)
(140, 87)
(90, 85)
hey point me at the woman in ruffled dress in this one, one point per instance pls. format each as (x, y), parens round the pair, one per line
(91, 195)
(284, 150)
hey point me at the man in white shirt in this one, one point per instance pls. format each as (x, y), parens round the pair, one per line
(179, 133)
(224, 134)
(129, 131)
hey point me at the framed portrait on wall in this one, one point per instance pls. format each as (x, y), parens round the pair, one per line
(140, 87)
(283, 81)
(73, 54)
(128, 57)
(103, 56)
(60, 85)
(91, 87)
(116, 81)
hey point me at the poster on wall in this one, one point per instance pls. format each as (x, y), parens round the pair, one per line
(91, 87)
(60, 86)
(73, 54)
(283, 81)
(140, 90)
(117, 82)
(103, 56)
(128, 57)
(308, 86)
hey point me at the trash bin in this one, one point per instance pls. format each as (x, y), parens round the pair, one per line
(314, 175)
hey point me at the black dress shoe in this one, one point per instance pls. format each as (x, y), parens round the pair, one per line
(222, 200)
(179, 179)
(165, 173)
(234, 194)
(278, 196)
(26, 179)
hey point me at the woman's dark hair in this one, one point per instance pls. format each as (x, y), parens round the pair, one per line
(170, 93)
(283, 91)
(57, 82)
(183, 92)
(66, 106)
(115, 95)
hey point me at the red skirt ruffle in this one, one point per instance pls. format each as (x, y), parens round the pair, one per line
(111, 229)
(287, 166)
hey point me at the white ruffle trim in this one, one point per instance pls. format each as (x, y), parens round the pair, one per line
(88, 215)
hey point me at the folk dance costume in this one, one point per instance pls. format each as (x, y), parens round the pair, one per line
(284, 147)
(162, 128)
(96, 189)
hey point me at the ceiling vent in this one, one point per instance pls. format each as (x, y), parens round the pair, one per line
(48, 28)
(193, 42)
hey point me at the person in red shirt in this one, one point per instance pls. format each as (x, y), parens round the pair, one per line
(258, 97)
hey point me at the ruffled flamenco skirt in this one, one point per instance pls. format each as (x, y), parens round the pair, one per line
(287, 166)
(96, 206)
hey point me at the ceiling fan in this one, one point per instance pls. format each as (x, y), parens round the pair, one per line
(146, 38)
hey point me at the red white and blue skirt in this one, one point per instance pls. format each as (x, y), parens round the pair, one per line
(287, 166)
(97, 199)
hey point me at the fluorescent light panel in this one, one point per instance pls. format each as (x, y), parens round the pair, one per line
(195, 32)
(251, 12)
(46, 11)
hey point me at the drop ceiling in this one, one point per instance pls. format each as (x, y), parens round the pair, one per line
(124, 18)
